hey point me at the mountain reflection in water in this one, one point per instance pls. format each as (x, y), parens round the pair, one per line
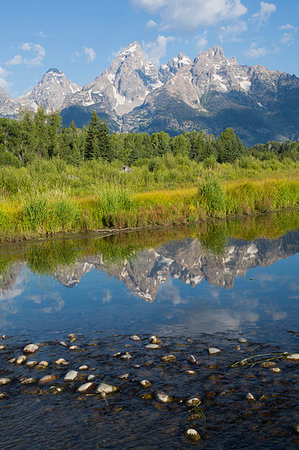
(159, 265)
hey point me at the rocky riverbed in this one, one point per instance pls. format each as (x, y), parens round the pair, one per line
(141, 391)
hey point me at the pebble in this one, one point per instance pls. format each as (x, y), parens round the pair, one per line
(104, 388)
(296, 429)
(21, 359)
(84, 367)
(242, 340)
(3, 395)
(28, 380)
(48, 379)
(214, 350)
(2, 347)
(293, 357)
(193, 401)
(42, 365)
(30, 348)
(267, 364)
(126, 356)
(64, 344)
(152, 346)
(60, 361)
(168, 358)
(125, 376)
(250, 397)
(192, 434)
(146, 383)
(71, 375)
(135, 337)
(190, 372)
(74, 347)
(4, 381)
(275, 370)
(54, 390)
(192, 360)
(155, 340)
(86, 387)
(12, 360)
(237, 347)
(71, 336)
(115, 355)
(31, 363)
(137, 366)
(91, 377)
(163, 397)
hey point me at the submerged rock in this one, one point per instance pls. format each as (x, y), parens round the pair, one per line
(86, 387)
(84, 367)
(192, 435)
(2, 347)
(28, 380)
(163, 397)
(293, 357)
(135, 338)
(242, 340)
(4, 381)
(104, 388)
(60, 361)
(155, 340)
(267, 364)
(31, 363)
(30, 348)
(146, 384)
(250, 397)
(192, 360)
(71, 375)
(193, 401)
(214, 350)
(48, 379)
(152, 346)
(275, 370)
(3, 395)
(21, 359)
(168, 358)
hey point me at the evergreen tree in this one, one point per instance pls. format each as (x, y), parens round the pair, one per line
(92, 139)
(104, 147)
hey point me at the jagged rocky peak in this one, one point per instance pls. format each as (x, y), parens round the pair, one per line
(8, 106)
(51, 92)
(125, 85)
(173, 66)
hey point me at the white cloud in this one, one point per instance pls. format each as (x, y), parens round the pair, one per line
(15, 61)
(151, 24)
(202, 41)
(190, 14)
(90, 53)
(288, 27)
(262, 16)
(156, 49)
(3, 75)
(288, 35)
(256, 52)
(231, 32)
(36, 60)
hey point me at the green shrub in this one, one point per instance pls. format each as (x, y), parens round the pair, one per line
(211, 197)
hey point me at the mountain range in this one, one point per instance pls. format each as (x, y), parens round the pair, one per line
(210, 93)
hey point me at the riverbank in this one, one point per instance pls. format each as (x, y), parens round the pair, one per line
(45, 201)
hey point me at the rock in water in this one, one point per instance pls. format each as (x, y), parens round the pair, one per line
(86, 387)
(192, 435)
(214, 350)
(71, 375)
(48, 379)
(135, 338)
(168, 358)
(104, 388)
(4, 381)
(163, 397)
(293, 357)
(30, 348)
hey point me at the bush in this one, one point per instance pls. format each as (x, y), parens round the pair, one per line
(211, 197)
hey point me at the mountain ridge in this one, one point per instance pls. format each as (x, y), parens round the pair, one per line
(211, 92)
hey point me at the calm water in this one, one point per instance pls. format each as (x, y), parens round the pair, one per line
(195, 288)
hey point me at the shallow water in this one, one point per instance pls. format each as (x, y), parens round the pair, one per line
(196, 287)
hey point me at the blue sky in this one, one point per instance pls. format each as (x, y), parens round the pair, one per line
(82, 38)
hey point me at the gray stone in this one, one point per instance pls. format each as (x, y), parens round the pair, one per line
(192, 435)
(152, 346)
(168, 358)
(91, 377)
(135, 338)
(163, 397)
(293, 357)
(214, 350)
(3, 395)
(84, 367)
(146, 384)
(193, 401)
(242, 340)
(104, 388)
(4, 381)
(30, 348)
(125, 376)
(275, 370)
(86, 387)
(155, 340)
(71, 375)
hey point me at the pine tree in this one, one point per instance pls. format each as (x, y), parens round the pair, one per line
(104, 147)
(92, 140)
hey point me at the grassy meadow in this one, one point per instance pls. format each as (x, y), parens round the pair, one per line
(52, 196)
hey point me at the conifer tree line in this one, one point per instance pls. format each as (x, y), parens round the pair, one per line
(41, 135)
